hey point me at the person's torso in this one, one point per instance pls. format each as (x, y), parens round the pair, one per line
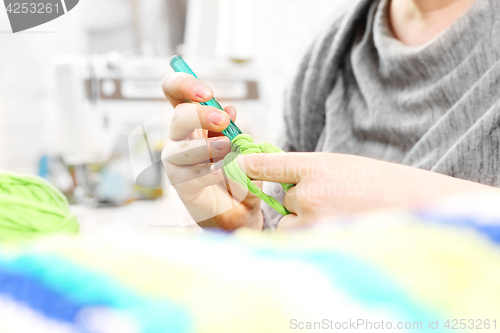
(412, 105)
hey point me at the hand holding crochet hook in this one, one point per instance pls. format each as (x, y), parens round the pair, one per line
(217, 198)
(195, 143)
(317, 185)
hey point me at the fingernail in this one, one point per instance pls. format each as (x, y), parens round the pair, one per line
(202, 92)
(216, 118)
(220, 144)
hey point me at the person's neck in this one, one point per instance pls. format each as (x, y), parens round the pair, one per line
(416, 22)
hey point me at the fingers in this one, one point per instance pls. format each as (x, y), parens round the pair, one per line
(302, 200)
(188, 117)
(290, 200)
(193, 178)
(182, 87)
(287, 168)
(231, 111)
(195, 151)
(288, 222)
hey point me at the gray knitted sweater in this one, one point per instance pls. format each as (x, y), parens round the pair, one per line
(436, 107)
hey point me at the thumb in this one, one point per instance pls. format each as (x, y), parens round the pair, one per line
(287, 168)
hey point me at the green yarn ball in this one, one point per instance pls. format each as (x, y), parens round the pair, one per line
(31, 207)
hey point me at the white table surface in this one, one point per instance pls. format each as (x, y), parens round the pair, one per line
(167, 212)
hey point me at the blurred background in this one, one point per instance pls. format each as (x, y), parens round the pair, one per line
(81, 103)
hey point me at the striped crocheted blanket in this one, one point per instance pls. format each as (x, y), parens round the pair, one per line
(425, 270)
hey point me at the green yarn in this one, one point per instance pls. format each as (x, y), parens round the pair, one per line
(243, 145)
(30, 207)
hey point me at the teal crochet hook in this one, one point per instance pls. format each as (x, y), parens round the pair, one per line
(179, 65)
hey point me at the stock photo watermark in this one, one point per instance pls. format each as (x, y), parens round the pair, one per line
(27, 14)
(309, 170)
(366, 324)
(330, 180)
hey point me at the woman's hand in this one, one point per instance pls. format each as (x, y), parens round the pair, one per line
(331, 185)
(195, 143)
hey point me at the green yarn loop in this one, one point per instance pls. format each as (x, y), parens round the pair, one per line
(243, 145)
(30, 207)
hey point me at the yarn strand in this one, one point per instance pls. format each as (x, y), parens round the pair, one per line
(243, 145)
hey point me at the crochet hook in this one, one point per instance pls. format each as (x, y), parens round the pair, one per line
(179, 65)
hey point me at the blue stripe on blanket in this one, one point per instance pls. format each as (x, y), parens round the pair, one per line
(37, 296)
(491, 229)
(87, 288)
